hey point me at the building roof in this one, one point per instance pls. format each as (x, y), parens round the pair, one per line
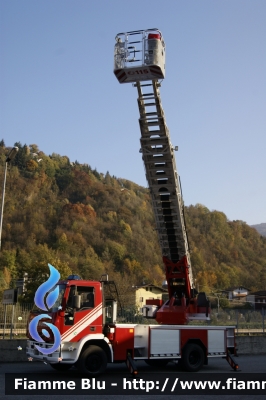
(259, 293)
(234, 288)
(149, 286)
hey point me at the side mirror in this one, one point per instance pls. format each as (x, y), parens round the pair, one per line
(77, 301)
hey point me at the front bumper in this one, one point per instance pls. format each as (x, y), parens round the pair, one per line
(66, 353)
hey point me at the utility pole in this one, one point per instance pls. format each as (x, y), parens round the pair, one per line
(11, 155)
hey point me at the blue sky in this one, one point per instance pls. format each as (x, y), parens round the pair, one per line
(57, 89)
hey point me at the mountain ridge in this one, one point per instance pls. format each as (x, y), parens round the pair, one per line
(261, 228)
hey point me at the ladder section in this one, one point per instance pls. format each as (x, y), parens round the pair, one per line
(161, 173)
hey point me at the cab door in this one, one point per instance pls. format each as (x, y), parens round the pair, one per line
(86, 319)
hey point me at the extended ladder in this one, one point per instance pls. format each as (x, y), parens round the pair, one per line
(161, 172)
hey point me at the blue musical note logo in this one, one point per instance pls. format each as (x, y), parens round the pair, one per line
(45, 303)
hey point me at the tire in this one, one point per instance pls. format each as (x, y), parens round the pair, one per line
(92, 361)
(61, 367)
(193, 357)
(157, 363)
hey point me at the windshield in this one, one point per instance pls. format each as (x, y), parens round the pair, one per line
(57, 303)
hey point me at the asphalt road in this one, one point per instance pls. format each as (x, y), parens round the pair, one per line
(248, 365)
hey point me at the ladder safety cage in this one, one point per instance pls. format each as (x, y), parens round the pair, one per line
(139, 55)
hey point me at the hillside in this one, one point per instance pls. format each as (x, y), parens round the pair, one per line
(90, 223)
(261, 228)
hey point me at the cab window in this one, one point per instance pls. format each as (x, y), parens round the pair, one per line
(87, 297)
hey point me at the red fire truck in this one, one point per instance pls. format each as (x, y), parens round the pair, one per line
(85, 312)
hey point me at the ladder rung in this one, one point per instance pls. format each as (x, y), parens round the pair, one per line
(150, 117)
(153, 141)
(133, 51)
(147, 98)
(150, 123)
(145, 118)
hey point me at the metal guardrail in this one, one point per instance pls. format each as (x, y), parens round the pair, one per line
(250, 331)
(13, 320)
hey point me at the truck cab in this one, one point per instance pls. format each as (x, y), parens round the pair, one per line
(80, 314)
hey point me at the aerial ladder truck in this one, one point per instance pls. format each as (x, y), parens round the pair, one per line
(140, 59)
(85, 312)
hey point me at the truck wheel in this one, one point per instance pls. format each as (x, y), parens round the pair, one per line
(193, 357)
(61, 367)
(92, 361)
(157, 363)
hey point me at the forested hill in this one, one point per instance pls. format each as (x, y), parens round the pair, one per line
(89, 223)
